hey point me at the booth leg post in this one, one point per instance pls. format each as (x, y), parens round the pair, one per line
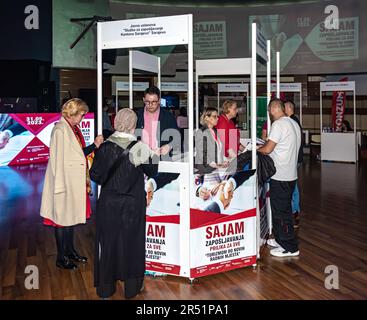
(254, 266)
(191, 280)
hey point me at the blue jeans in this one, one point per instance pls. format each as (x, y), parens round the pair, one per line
(295, 199)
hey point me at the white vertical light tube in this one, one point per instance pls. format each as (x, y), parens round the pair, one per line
(355, 122)
(131, 97)
(278, 74)
(321, 113)
(159, 72)
(197, 98)
(268, 82)
(117, 99)
(99, 84)
(190, 100)
(253, 94)
(300, 106)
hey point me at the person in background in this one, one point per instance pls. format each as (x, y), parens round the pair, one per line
(283, 146)
(296, 209)
(264, 131)
(65, 196)
(182, 123)
(106, 122)
(346, 127)
(159, 127)
(119, 167)
(227, 131)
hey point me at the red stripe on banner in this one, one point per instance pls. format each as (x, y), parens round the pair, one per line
(338, 107)
(166, 219)
(162, 267)
(199, 218)
(222, 266)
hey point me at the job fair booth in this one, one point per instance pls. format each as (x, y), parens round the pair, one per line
(187, 235)
(337, 145)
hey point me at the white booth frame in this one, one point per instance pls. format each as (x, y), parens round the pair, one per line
(241, 66)
(338, 146)
(179, 31)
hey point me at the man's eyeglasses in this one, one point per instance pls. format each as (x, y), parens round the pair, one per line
(152, 103)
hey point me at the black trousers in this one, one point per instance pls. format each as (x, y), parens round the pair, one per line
(281, 209)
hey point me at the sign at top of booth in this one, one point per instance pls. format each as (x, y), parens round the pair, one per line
(287, 87)
(145, 32)
(232, 87)
(337, 86)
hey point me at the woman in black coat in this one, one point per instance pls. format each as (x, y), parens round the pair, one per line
(119, 166)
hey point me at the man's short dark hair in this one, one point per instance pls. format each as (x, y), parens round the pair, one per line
(291, 102)
(153, 90)
(277, 101)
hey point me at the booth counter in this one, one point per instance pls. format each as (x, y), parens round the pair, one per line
(339, 146)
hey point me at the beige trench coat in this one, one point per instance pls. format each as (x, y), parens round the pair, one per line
(64, 189)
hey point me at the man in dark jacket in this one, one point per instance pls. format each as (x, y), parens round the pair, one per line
(159, 127)
(296, 209)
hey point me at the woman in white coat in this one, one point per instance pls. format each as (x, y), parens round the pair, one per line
(65, 197)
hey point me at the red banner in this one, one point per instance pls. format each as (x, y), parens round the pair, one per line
(338, 108)
(25, 137)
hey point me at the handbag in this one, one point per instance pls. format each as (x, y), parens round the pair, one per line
(118, 162)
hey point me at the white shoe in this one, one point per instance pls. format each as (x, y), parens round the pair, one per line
(282, 253)
(273, 243)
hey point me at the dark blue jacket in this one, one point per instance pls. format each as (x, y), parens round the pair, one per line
(166, 121)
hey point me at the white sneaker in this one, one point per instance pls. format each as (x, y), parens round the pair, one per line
(273, 243)
(282, 253)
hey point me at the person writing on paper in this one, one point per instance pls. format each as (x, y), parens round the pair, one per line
(65, 196)
(119, 167)
(283, 146)
(228, 133)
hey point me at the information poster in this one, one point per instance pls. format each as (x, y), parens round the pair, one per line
(162, 230)
(25, 137)
(210, 39)
(223, 228)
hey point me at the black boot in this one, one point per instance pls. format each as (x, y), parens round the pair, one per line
(133, 287)
(62, 261)
(71, 253)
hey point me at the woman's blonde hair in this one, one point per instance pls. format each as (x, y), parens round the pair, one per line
(207, 113)
(74, 106)
(227, 104)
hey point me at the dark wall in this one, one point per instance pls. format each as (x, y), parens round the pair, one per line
(19, 43)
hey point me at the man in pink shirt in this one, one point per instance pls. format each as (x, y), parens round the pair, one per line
(159, 127)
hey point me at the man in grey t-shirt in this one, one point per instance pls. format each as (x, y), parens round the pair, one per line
(283, 146)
